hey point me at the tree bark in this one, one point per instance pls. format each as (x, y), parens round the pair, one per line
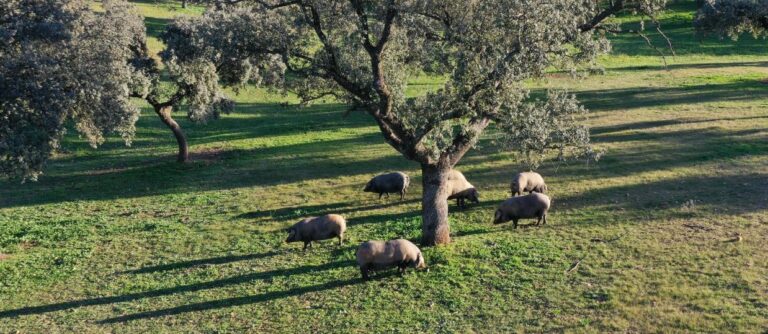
(165, 116)
(434, 205)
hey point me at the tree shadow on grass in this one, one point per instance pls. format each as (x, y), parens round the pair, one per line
(115, 171)
(263, 121)
(604, 130)
(691, 66)
(106, 177)
(241, 168)
(660, 151)
(475, 231)
(273, 120)
(155, 25)
(180, 289)
(230, 302)
(645, 97)
(701, 136)
(725, 194)
(342, 208)
(199, 262)
(680, 148)
(383, 218)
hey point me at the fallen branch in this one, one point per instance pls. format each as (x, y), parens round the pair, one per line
(574, 266)
(606, 241)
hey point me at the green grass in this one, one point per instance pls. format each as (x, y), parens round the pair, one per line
(122, 239)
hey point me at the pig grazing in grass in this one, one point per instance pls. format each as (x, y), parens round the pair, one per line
(317, 228)
(400, 253)
(396, 182)
(534, 205)
(461, 189)
(528, 181)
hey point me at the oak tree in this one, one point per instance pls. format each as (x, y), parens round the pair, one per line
(732, 18)
(364, 53)
(61, 62)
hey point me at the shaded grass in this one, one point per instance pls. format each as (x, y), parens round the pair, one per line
(155, 26)
(665, 97)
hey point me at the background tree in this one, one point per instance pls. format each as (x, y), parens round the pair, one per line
(61, 62)
(194, 83)
(363, 53)
(192, 73)
(733, 17)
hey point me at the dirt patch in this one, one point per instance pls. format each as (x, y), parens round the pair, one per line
(4, 256)
(27, 244)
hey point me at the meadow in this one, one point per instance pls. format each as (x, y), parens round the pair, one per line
(666, 233)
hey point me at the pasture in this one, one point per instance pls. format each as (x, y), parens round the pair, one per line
(668, 231)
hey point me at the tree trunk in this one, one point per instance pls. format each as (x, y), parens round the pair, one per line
(165, 115)
(183, 3)
(434, 206)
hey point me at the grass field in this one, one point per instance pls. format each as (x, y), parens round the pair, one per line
(123, 239)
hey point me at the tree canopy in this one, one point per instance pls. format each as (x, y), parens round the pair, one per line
(364, 52)
(733, 17)
(62, 62)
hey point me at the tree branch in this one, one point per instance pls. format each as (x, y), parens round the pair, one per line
(461, 144)
(333, 64)
(366, 32)
(152, 98)
(492, 78)
(390, 125)
(616, 6)
(464, 141)
(277, 5)
(390, 17)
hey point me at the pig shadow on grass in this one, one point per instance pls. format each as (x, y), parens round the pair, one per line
(349, 247)
(387, 273)
(485, 204)
(235, 280)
